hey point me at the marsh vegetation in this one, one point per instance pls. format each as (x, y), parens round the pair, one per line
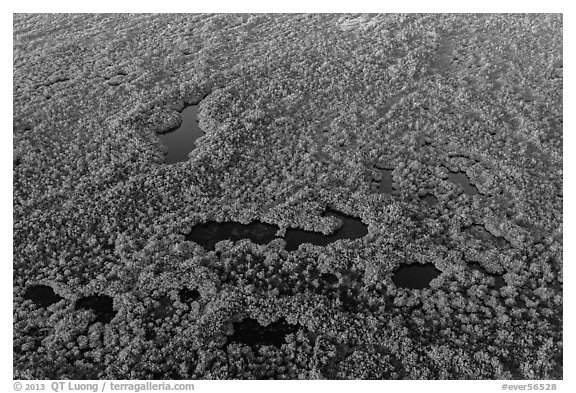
(237, 196)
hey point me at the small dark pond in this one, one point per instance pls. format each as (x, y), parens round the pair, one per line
(188, 295)
(208, 234)
(180, 141)
(415, 276)
(42, 295)
(251, 333)
(101, 305)
(499, 282)
(385, 185)
(462, 179)
(329, 278)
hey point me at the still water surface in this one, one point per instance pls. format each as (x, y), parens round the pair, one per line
(210, 233)
(180, 142)
(415, 276)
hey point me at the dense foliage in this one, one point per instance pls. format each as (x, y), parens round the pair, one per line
(299, 112)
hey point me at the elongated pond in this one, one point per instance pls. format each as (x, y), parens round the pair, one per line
(462, 179)
(385, 182)
(208, 234)
(251, 333)
(180, 142)
(352, 228)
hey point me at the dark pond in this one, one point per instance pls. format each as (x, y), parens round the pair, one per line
(329, 278)
(415, 276)
(462, 179)
(499, 281)
(180, 141)
(251, 333)
(101, 305)
(42, 295)
(352, 228)
(188, 295)
(208, 234)
(386, 183)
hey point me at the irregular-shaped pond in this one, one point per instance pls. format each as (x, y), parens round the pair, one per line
(352, 228)
(188, 295)
(180, 142)
(208, 234)
(462, 179)
(250, 332)
(415, 276)
(386, 182)
(101, 305)
(42, 295)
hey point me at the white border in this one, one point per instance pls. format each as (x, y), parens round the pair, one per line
(436, 6)
(297, 6)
